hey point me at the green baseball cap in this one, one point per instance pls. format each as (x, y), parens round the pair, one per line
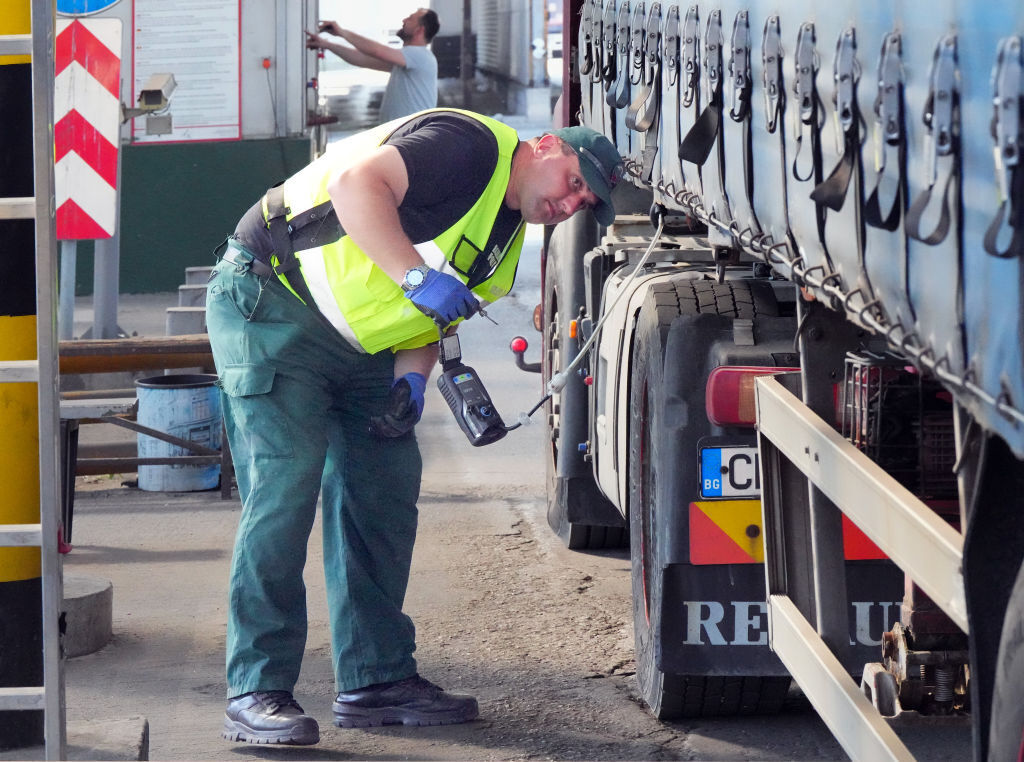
(600, 164)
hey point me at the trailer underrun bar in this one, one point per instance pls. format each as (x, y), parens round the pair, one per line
(908, 531)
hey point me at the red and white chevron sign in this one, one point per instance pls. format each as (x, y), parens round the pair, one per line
(87, 122)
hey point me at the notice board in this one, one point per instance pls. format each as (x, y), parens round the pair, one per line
(198, 41)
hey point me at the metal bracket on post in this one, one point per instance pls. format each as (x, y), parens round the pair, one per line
(823, 345)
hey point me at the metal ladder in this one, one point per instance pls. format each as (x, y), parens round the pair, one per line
(44, 372)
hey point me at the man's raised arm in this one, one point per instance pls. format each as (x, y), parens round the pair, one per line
(367, 48)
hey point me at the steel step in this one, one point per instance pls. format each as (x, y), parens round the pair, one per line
(21, 535)
(19, 371)
(17, 207)
(22, 698)
(15, 44)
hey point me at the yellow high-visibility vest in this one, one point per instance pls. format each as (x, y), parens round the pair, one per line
(354, 294)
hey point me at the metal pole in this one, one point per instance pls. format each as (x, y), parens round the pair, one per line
(281, 70)
(465, 55)
(66, 311)
(105, 284)
(48, 391)
(106, 278)
(822, 348)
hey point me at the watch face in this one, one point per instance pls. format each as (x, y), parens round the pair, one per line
(414, 277)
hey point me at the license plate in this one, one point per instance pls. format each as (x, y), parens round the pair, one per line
(730, 472)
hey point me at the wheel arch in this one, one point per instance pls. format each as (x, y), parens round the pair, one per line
(577, 512)
(563, 271)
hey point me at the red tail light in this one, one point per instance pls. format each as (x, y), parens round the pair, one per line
(729, 396)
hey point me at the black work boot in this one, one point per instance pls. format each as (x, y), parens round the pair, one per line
(269, 717)
(412, 701)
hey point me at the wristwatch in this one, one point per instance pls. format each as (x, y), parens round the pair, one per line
(414, 278)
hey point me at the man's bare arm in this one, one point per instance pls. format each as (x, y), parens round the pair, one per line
(347, 54)
(420, 360)
(366, 46)
(366, 196)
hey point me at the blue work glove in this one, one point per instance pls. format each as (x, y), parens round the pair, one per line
(443, 298)
(404, 407)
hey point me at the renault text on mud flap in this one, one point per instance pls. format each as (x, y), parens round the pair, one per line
(730, 472)
(745, 623)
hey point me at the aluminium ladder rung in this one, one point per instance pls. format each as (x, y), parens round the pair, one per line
(19, 371)
(21, 535)
(15, 44)
(18, 208)
(18, 699)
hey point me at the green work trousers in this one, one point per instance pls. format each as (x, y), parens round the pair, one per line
(297, 403)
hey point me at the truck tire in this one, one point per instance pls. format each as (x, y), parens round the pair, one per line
(571, 488)
(672, 696)
(1006, 730)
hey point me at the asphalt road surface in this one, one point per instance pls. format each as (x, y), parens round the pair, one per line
(541, 635)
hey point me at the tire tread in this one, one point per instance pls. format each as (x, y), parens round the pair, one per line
(744, 299)
(675, 696)
(723, 696)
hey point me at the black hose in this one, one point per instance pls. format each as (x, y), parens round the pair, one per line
(533, 410)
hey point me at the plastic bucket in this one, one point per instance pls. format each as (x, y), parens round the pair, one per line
(187, 407)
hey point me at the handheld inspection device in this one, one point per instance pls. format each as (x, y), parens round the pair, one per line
(465, 394)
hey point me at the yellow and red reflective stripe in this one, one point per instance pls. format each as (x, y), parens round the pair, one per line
(726, 532)
(729, 532)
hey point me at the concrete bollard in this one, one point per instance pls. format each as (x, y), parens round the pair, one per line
(89, 610)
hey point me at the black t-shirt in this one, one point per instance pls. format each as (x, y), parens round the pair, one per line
(449, 158)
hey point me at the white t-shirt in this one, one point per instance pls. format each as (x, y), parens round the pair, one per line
(412, 87)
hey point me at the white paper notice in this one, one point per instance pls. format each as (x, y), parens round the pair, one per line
(198, 42)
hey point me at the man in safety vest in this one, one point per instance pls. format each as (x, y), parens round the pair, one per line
(323, 315)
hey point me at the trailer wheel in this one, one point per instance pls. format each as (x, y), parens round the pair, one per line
(571, 488)
(1006, 730)
(671, 696)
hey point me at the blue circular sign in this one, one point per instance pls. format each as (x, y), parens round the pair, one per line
(83, 7)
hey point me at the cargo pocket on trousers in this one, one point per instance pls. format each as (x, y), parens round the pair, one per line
(261, 431)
